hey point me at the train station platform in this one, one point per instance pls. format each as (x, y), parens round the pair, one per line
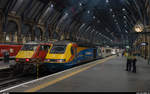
(6, 65)
(104, 75)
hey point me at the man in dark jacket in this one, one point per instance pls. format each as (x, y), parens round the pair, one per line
(134, 63)
(129, 60)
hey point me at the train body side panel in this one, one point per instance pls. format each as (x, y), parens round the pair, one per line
(81, 55)
(12, 49)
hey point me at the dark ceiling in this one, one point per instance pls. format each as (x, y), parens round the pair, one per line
(113, 18)
(106, 20)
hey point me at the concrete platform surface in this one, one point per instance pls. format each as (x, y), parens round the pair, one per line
(6, 65)
(106, 75)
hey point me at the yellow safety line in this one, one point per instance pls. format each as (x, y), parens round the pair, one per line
(63, 77)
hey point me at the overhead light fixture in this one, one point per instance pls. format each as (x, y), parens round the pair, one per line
(113, 15)
(123, 9)
(124, 17)
(80, 4)
(107, 1)
(94, 17)
(110, 9)
(52, 5)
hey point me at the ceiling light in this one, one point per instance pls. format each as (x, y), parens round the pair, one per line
(80, 4)
(110, 9)
(94, 17)
(52, 5)
(107, 1)
(123, 9)
(124, 17)
(113, 15)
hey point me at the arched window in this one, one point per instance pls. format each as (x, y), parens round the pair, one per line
(26, 32)
(11, 29)
(38, 34)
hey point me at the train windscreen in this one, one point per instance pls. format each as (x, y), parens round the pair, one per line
(29, 47)
(58, 49)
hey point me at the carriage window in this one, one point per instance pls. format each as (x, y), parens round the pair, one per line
(44, 47)
(59, 49)
(108, 51)
(72, 50)
(29, 47)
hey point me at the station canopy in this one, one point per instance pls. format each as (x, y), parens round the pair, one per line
(105, 22)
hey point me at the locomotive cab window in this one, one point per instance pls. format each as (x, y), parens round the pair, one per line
(108, 51)
(58, 49)
(29, 47)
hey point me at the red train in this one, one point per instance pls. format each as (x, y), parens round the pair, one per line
(13, 49)
(33, 52)
(30, 54)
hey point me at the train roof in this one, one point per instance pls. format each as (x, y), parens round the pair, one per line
(62, 42)
(41, 42)
(66, 42)
(10, 43)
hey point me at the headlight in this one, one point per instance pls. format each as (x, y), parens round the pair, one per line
(17, 59)
(61, 60)
(47, 60)
(27, 60)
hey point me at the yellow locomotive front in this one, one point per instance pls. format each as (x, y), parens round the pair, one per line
(26, 52)
(59, 54)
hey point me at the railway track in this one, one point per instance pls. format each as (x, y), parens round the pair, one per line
(11, 81)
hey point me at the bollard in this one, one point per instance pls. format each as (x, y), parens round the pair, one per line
(37, 71)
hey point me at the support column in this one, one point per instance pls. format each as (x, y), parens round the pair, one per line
(1, 26)
(148, 38)
(17, 19)
(42, 27)
(32, 34)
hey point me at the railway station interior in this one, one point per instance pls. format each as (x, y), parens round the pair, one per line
(75, 46)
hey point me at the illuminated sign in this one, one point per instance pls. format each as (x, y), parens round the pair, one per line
(144, 44)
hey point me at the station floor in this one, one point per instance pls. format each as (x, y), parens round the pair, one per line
(106, 75)
(6, 65)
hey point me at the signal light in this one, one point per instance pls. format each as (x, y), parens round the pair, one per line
(27, 60)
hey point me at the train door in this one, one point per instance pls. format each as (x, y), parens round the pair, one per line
(99, 52)
(74, 53)
(43, 51)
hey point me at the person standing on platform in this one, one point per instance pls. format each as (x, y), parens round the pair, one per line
(134, 63)
(6, 57)
(129, 60)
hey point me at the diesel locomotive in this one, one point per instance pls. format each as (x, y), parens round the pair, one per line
(29, 55)
(65, 54)
(56, 56)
